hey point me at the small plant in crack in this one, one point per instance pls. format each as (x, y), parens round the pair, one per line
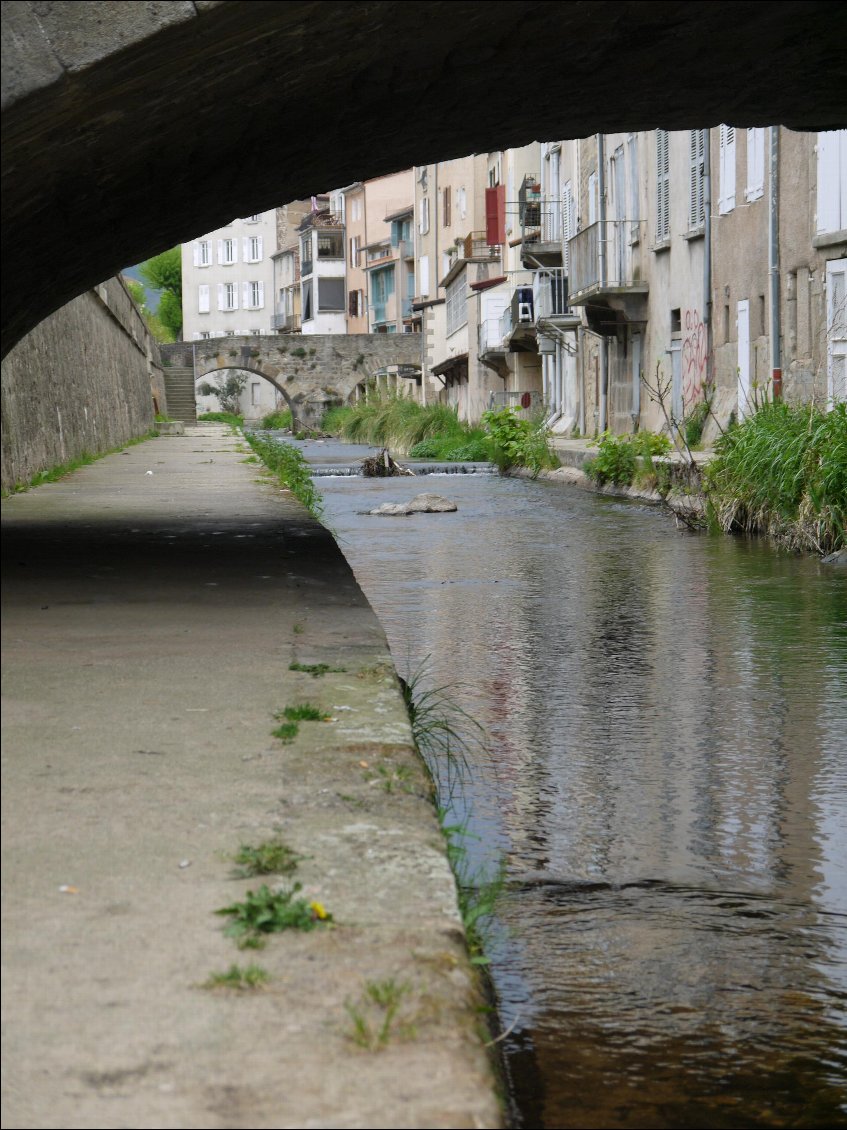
(251, 977)
(304, 712)
(271, 857)
(316, 669)
(268, 912)
(286, 732)
(374, 1016)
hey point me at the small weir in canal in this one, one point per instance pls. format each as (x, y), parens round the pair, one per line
(664, 778)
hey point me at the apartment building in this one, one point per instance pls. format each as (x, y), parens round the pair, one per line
(227, 287)
(286, 266)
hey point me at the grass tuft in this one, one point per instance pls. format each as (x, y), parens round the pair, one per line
(268, 912)
(252, 977)
(271, 857)
(290, 467)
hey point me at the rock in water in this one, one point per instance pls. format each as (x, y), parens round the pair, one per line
(426, 503)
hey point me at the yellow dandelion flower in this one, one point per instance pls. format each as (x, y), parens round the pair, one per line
(319, 910)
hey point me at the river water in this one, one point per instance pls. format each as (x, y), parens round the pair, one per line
(665, 777)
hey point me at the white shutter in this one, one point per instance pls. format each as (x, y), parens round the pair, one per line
(832, 181)
(196, 253)
(663, 181)
(755, 163)
(245, 249)
(726, 192)
(261, 304)
(245, 295)
(260, 242)
(203, 299)
(567, 224)
(220, 251)
(221, 297)
(696, 157)
(423, 276)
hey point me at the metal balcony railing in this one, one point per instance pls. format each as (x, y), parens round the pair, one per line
(550, 294)
(283, 321)
(622, 268)
(476, 246)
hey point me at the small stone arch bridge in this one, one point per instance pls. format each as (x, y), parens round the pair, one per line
(312, 371)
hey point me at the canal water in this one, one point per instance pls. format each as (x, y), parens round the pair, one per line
(665, 778)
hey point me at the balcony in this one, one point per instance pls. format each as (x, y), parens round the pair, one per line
(550, 296)
(406, 248)
(491, 336)
(379, 256)
(622, 272)
(284, 323)
(541, 230)
(475, 246)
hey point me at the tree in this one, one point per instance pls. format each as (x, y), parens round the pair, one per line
(164, 272)
(154, 323)
(227, 389)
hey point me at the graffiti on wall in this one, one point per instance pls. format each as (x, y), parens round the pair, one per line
(694, 357)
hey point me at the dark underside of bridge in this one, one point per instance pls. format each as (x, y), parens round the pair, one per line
(129, 127)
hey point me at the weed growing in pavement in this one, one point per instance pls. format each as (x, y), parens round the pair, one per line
(298, 629)
(252, 977)
(391, 777)
(374, 1015)
(271, 857)
(316, 669)
(286, 732)
(85, 459)
(304, 712)
(268, 912)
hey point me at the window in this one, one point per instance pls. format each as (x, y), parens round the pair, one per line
(832, 181)
(696, 163)
(726, 190)
(568, 225)
(663, 187)
(253, 219)
(330, 245)
(227, 252)
(356, 304)
(634, 186)
(254, 393)
(227, 296)
(308, 303)
(445, 207)
(356, 208)
(462, 203)
(253, 249)
(254, 295)
(306, 254)
(355, 250)
(203, 300)
(457, 304)
(755, 164)
(256, 332)
(423, 215)
(205, 335)
(202, 253)
(330, 294)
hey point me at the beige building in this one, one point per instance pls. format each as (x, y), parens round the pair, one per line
(286, 263)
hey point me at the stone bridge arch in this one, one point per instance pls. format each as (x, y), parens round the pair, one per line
(224, 117)
(312, 371)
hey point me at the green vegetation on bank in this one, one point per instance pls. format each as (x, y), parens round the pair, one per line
(625, 459)
(231, 418)
(278, 421)
(290, 467)
(783, 472)
(434, 431)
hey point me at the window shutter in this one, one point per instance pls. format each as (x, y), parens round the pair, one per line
(446, 207)
(663, 219)
(567, 227)
(245, 295)
(260, 243)
(351, 303)
(832, 181)
(220, 251)
(196, 254)
(221, 296)
(203, 299)
(755, 163)
(726, 193)
(245, 249)
(261, 295)
(495, 215)
(696, 158)
(423, 276)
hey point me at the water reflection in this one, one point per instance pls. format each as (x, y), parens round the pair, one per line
(666, 778)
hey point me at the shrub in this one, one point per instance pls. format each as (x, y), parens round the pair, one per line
(518, 442)
(618, 457)
(277, 421)
(783, 472)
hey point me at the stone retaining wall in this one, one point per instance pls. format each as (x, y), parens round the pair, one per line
(84, 380)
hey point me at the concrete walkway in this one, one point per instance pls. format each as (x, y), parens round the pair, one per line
(149, 624)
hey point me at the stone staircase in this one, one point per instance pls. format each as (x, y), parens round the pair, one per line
(179, 389)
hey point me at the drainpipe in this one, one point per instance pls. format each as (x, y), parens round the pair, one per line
(707, 249)
(773, 262)
(601, 255)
